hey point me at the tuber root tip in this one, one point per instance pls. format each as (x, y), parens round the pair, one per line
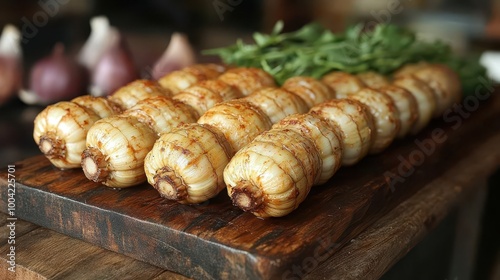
(52, 147)
(170, 185)
(94, 165)
(247, 196)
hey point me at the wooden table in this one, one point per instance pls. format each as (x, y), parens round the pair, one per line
(399, 226)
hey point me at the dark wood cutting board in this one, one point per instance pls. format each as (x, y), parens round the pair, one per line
(217, 240)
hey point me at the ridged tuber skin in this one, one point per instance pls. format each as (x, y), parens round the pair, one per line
(385, 116)
(162, 114)
(406, 104)
(206, 94)
(116, 147)
(277, 103)
(343, 84)
(199, 154)
(254, 174)
(157, 114)
(354, 124)
(325, 137)
(273, 174)
(230, 125)
(312, 91)
(238, 121)
(445, 84)
(177, 81)
(101, 106)
(373, 79)
(426, 100)
(247, 80)
(60, 131)
(128, 95)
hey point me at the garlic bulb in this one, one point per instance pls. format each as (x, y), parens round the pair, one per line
(426, 102)
(343, 83)
(325, 138)
(102, 38)
(247, 80)
(10, 62)
(277, 103)
(111, 144)
(60, 131)
(354, 125)
(312, 91)
(114, 69)
(197, 175)
(385, 116)
(179, 54)
(128, 95)
(180, 80)
(407, 107)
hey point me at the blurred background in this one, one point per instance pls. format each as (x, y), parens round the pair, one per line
(467, 25)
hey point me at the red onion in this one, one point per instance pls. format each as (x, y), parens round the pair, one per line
(178, 54)
(10, 63)
(55, 78)
(114, 69)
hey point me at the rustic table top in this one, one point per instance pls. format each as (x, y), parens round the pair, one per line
(43, 253)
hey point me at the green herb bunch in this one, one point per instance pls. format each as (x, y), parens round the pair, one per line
(314, 51)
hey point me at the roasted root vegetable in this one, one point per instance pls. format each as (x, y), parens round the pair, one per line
(157, 115)
(128, 95)
(205, 94)
(228, 126)
(273, 175)
(162, 114)
(406, 104)
(247, 80)
(267, 185)
(60, 129)
(373, 79)
(238, 122)
(343, 83)
(325, 137)
(198, 154)
(385, 115)
(116, 147)
(277, 103)
(180, 80)
(354, 124)
(101, 106)
(312, 91)
(426, 101)
(445, 84)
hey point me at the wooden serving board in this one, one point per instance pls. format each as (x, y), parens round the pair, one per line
(217, 240)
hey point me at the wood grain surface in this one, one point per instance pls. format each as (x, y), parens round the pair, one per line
(45, 254)
(217, 240)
